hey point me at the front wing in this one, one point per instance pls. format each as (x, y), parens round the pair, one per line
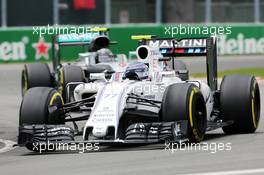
(138, 133)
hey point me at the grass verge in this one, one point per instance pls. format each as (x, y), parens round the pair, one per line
(258, 72)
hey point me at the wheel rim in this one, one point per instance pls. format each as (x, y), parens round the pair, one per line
(255, 104)
(200, 114)
(55, 100)
(197, 114)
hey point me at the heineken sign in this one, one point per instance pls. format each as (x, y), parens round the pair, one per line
(22, 45)
(17, 50)
(240, 45)
(13, 50)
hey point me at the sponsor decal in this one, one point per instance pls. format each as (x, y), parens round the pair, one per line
(74, 37)
(174, 43)
(149, 96)
(102, 120)
(106, 115)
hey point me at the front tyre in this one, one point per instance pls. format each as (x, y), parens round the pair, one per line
(184, 101)
(240, 102)
(34, 108)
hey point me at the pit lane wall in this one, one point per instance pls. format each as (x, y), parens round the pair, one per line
(25, 45)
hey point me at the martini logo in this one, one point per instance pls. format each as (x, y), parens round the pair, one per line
(174, 43)
(13, 51)
(42, 49)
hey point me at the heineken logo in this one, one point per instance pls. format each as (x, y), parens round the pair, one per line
(41, 49)
(240, 45)
(15, 50)
(23, 49)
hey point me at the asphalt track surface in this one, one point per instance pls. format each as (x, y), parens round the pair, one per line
(245, 157)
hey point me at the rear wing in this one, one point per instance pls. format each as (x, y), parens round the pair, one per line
(171, 47)
(94, 39)
(183, 47)
(81, 39)
(76, 39)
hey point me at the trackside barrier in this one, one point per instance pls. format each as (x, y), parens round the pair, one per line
(25, 44)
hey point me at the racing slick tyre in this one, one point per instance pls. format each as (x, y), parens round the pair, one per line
(35, 106)
(240, 102)
(35, 75)
(70, 74)
(181, 70)
(184, 101)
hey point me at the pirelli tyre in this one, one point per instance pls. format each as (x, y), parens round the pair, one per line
(36, 106)
(35, 75)
(70, 74)
(240, 102)
(184, 101)
(181, 70)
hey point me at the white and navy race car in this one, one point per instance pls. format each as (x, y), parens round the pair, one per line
(146, 103)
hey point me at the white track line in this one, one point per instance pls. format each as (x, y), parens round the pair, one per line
(236, 172)
(8, 145)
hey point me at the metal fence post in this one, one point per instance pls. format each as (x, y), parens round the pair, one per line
(55, 11)
(208, 11)
(256, 11)
(3, 14)
(158, 10)
(108, 12)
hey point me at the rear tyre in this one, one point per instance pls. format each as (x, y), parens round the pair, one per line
(35, 75)
(184, 101)
(70, 74)
(240, 102)
(34, 108)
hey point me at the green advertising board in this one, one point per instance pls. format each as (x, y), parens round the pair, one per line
(24, 45)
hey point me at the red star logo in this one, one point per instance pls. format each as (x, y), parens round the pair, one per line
(41, 48)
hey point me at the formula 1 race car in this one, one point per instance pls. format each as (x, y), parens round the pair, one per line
(147, 103)
(97, 58)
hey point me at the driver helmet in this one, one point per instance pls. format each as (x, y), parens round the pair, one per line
(137, 71)
(104, 55)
